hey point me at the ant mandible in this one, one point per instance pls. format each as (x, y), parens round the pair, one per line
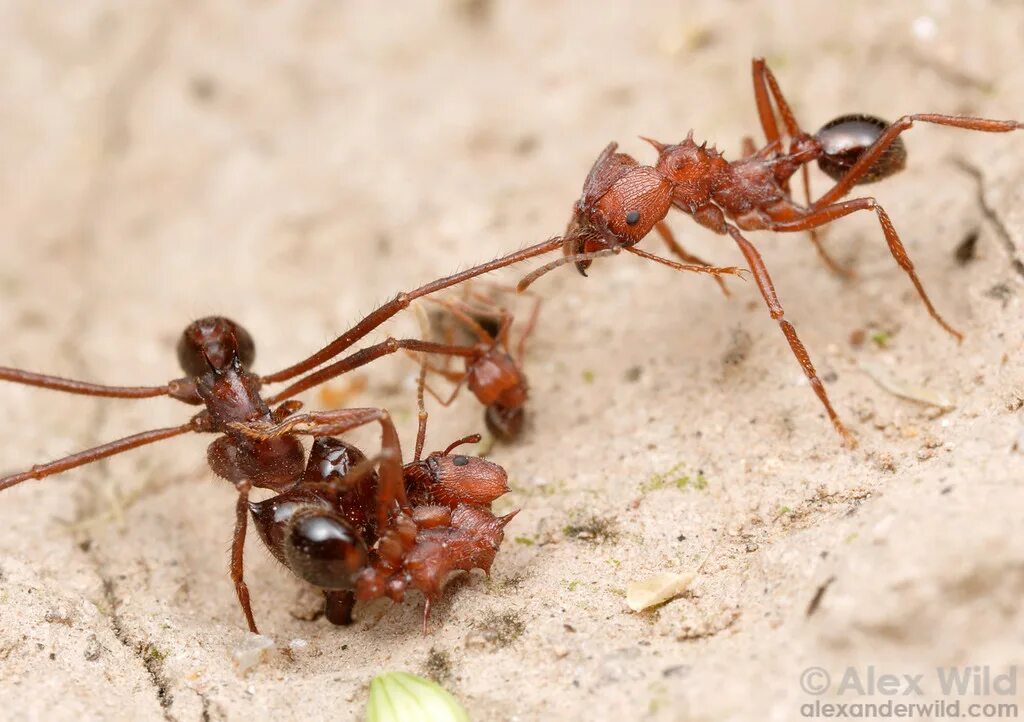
(216, 354)
(623, 201)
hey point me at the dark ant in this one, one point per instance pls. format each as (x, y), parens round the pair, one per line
(623, 201)
(494, 375)
(259, 446)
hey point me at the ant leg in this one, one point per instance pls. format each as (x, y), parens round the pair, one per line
(334, 423)
(531, 323)
(578, 258)
(675, 247)
(764, 283)
(71, 386)
(765, 83)
(365, 356)
(873, 153)
(833, 265)
(421, 426)
(41, 471)
(713, 270)
(458, 311)
(237, 551)
(402, 301)
(454, 394)
(821, 216)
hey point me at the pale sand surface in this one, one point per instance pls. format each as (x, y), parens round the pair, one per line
(293, 164)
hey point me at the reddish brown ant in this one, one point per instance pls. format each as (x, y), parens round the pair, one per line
(623, 201)
(259, 446)
(494, 375)
(325, 529)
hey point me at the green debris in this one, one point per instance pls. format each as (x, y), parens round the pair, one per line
(404, 697)
(673, 477)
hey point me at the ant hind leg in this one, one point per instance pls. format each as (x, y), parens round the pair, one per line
(821, 216)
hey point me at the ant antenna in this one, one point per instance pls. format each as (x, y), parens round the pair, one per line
(528, 279)
(471, 439)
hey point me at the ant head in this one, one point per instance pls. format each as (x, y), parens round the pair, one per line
(503, 422)
(459, 479)
(213, 344)
(632, 206)
(308, 536)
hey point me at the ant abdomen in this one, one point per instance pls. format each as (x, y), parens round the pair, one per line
(844, 140)
(505, 423)
(308, 536)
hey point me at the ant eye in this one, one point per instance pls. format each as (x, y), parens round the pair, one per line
(460, 460)
(325, 550)
(632, 218)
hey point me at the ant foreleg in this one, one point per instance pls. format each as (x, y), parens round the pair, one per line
(41, 471)
(402, 301)
(71, 386)
(365, 356)
(675, 247)
(712, 270)
(868, 158)
(771, 298)
(238, 550)
(821, 216)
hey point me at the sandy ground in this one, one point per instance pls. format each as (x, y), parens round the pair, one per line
(293, 164)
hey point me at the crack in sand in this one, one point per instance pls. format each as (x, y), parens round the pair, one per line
(992, 214)
(152, 663)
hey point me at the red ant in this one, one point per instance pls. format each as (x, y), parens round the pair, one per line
(623, 201)
(259, 446)
(325, 530)
(493, 375)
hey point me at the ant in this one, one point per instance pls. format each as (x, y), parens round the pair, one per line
(623, 201)
(325, 531)
(493, 375)
(258, 443)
